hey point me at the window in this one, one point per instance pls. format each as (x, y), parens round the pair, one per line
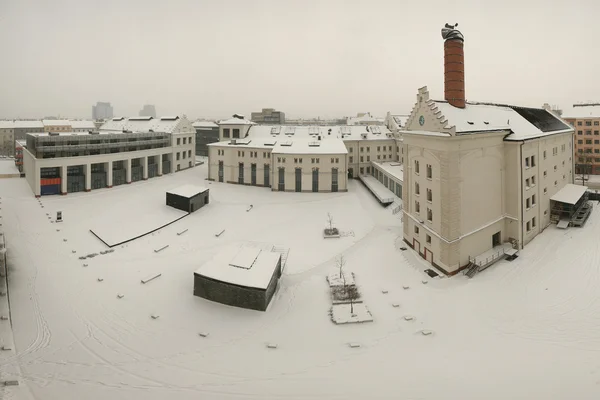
(368, 158)
(526, 162)
(361, 158)
(588, 123)
(588, 141)
(555, 183)
(189, 153)
(580, 142)
(361, 149)
(533, 222)
(178, 155)
(545, 212)
(527, 203)
(555, 168)
(178, 141)
(578, 123)
(545, 190)
(378, 157)
(351, 149)
(378, 148)
(544, 154)
(429, 195)
(527, 183)
(428, 239)
(429, 215)
(533, 200)
(416, 167)
(225, 132)
(337, 160)
(533, 158)
(417, 188)
(417, 207)
(545, 173)
(184, 140)
(429, 172)
(533, 180)
(416, 230)
(528, 226)
(351, 159)
(588, 132)
(596, 123)
(236, 133)
(580, 132)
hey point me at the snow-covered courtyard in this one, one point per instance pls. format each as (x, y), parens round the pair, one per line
(526, 329)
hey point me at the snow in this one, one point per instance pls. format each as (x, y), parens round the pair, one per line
(569, 194)
(188, 190)
(56, 122)
(250, 266)
(382, 193)
(394, 169)
(347, 132)
(179, 125)
(307, 146)
(205, 124)
(8, 168)
(582, 111)
(343, 314)
(526, 329)
(236, 121)
(334, 278)
(141, 211)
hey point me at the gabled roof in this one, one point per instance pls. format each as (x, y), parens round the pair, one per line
(236, 121)
(205, 124)
(521, 122)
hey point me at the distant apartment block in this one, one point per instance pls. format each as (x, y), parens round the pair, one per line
(585, 118)
(123, 151)
(148, 111)
(102, 111)
(13, 130)
(206, 132)
(268, 116)
(365, 119)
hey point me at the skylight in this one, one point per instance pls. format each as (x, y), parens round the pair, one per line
(275, 130)
(286, 144)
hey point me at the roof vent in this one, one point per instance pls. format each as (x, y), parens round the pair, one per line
(486, 122)
(238, 116)
(53, 134)
(470, 122)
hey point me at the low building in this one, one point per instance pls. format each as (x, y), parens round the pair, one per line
(17, 129)
(7, 138)
(585, 118)
(240, 276)
(57, 125)
(188, 198)
(390, 175)
(365, 119)
(19, 146)
(206, 132)
(122, 152)
(82, 126)
(268, 116)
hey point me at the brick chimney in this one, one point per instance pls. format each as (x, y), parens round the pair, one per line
(454, 66)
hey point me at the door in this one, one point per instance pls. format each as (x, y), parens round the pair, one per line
(350, 173)
(253, 174)
(192, 207)
(220, 171)
(281, 184)
(298, 179)
(417, 246)
(315, 180)
(496, 239)
(241, 173)
(267, 175)
(334, 179)
(428, 255)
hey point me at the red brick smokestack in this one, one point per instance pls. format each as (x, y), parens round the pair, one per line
(454, 66)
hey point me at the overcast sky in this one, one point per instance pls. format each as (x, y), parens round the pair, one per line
(307, 58)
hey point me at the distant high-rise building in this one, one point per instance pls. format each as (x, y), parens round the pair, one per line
(148, 111)
(268, 116)
(102, 111)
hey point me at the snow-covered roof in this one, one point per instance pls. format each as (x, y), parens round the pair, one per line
(205, 124)
(569, 194)
(394, 169)
(346, 132)
(236, 121)
(56, 122)
(82, 124)
(260, 142)
(188, 190)
(307, 146)
(582, 111)
(171, 125)
(400, 120)
(242, 265)
(523, 123)
(364, 119)
(10, 124)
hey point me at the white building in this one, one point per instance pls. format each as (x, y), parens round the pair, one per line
(122, 152)
(478, 175)
(298, 158)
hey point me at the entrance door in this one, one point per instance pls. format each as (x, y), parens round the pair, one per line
(496, 239)
(281, 180)
(298, 179)
(253, 174)
(417, 246)
(428, 255)
(350, 173)
(220, 171)
(315, 180)
(267, 175)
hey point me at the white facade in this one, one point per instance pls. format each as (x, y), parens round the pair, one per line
(178, 151)
(478, 177)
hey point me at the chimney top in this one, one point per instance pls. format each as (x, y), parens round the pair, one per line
(454, 66)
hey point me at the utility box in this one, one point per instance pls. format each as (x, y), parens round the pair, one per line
(188, 198)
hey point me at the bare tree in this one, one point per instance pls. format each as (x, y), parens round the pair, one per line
(351, 293)
(330, 221)
(340, 262)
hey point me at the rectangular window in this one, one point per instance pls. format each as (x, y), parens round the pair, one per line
(241, 173)
(545, 173)
(533, 180)
(416, 167)
(225, 132)
(334, 179)
(178, 141)
(428, 239)
(528, 226)
(527, 183)
(429, 215)
(417, 207)
(281, 180)
(545, 190)
(267, 175)
(527, 203)
(544, 154)
(416, 230)
(533, 222)
(184, 140)
(526, 162)
(588, 123)
(417, 188)
(429, 171)
(533, 159)
(236, 133)
(533, 200)
(429, 195)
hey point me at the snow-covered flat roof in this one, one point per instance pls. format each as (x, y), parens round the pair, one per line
(582, 111)
(170, 125)
(569, 194)
(394, 169)
(82, 124)
(383, 194)
(20, 124)
(205, 124)
(256, 269)
(188, 190)
(236, 121)
(307, 146)
(345, 132)
(247, 143)
(56, 122)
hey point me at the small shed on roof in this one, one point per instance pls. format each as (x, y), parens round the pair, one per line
(188, 198)
(240, 275)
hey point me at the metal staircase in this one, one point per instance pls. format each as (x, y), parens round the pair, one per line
(471, 269)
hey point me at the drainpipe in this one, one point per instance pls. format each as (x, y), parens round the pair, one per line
(521, 197)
